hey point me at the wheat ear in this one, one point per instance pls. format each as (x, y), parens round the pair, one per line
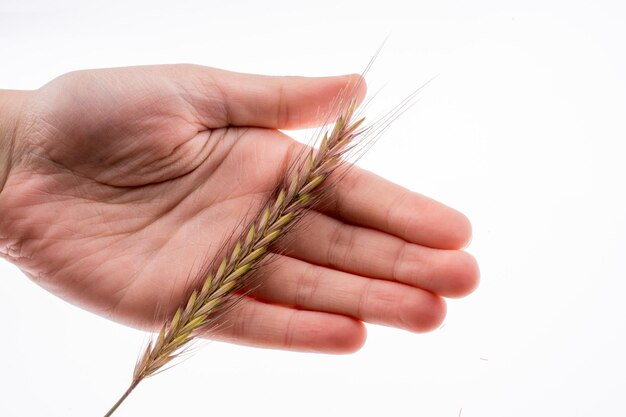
(303, 188)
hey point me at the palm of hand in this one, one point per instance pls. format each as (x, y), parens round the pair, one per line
(135, 178)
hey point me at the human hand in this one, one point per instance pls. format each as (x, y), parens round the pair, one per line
(121, 180)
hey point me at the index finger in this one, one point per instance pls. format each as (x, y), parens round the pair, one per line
(365, 199)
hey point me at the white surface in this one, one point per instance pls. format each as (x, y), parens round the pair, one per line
(523, 130)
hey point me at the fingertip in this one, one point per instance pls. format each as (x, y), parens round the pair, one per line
(337, 92)
(453, 229)
(461, 232)
(463, 275)
(349, 337)
(357, 85)
(345, 335)
(424, 313)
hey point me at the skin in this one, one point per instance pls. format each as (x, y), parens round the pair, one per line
(116, 184)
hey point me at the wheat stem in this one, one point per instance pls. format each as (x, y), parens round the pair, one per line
(122, 398)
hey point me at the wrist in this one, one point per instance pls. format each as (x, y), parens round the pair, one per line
(11, 104)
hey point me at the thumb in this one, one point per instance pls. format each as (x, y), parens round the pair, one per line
(224, 98)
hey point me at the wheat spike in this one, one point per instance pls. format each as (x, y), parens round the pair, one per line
(298, 193)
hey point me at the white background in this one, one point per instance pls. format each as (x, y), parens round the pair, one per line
(523, 130)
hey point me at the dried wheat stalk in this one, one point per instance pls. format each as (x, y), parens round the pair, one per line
(300, 190)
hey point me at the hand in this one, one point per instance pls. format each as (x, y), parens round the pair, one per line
(123, 180)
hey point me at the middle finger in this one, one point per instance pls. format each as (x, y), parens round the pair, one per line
(329, 242)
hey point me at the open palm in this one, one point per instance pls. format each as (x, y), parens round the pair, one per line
(130, 178)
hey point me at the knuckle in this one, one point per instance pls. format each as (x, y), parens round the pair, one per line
(341, 241)
(307, 287)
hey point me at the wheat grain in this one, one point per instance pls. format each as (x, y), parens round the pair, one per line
(302, 188)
